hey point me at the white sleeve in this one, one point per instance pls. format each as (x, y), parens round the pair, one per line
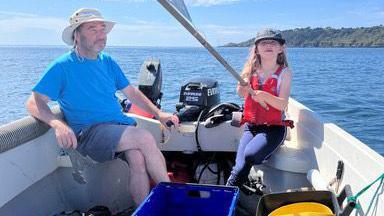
(279, 79)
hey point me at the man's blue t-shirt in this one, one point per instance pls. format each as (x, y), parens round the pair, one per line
(85, 89)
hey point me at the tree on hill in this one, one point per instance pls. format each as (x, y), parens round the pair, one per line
(329, 37)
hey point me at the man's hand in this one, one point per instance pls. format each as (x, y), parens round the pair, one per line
(37, 107)
(166, 117)
(64, 134)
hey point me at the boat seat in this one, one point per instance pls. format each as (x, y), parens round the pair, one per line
(290, 159)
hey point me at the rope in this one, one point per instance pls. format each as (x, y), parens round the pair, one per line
(354, 198)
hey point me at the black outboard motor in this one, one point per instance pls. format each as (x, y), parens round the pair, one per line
(196, 97)
(150, 80)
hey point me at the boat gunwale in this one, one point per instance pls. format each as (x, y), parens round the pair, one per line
(23, 130)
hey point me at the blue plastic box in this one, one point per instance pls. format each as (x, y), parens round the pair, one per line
(168, 199)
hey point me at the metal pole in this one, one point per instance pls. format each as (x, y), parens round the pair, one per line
(183, 21)
(171, 9)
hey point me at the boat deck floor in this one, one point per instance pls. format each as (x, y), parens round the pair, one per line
(59, 194)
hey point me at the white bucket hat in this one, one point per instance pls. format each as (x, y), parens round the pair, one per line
(81, 16)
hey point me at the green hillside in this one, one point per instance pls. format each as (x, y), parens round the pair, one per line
(329, 37)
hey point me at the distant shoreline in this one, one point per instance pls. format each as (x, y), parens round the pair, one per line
(325, 47)
(362, 37)
(158, 47)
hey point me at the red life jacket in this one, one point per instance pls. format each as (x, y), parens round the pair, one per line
(253, 112)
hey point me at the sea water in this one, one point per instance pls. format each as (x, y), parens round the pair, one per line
(343, 85)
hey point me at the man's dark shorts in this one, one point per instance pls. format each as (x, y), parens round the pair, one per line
(100, 141)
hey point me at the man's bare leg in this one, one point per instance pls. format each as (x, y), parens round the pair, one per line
(140, 139)
(138, 177)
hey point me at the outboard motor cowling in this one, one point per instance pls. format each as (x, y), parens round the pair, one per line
(196, 97)
(150, 80)
(201, 92)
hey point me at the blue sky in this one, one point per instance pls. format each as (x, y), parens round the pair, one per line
(146, 23)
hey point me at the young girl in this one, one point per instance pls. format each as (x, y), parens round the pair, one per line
(268, 75)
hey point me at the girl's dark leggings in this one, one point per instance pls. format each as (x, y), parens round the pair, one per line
(256, 145)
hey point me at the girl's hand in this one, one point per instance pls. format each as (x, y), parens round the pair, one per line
(258, 96)
(242, 91)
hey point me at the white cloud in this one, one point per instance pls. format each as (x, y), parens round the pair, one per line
(220, 35)
(207, 3)
(136, 21)
(125, 1)
(8, 14)
(30, 29)
(18, 24)
(160, 34)
(37, 30)
(225, 30)
(147, 33)
(145, 27)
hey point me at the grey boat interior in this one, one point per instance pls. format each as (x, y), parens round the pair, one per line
(37, 176)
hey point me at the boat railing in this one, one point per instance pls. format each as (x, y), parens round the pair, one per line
(23, 130)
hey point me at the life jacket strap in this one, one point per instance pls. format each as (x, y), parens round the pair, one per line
(288, 123)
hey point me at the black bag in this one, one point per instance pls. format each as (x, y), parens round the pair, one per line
(98, 211)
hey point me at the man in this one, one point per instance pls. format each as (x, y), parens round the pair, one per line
(83, 82)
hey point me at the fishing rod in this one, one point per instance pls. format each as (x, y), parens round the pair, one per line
(188, 25)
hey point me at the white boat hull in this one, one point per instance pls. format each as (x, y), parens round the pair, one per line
(36, 170)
